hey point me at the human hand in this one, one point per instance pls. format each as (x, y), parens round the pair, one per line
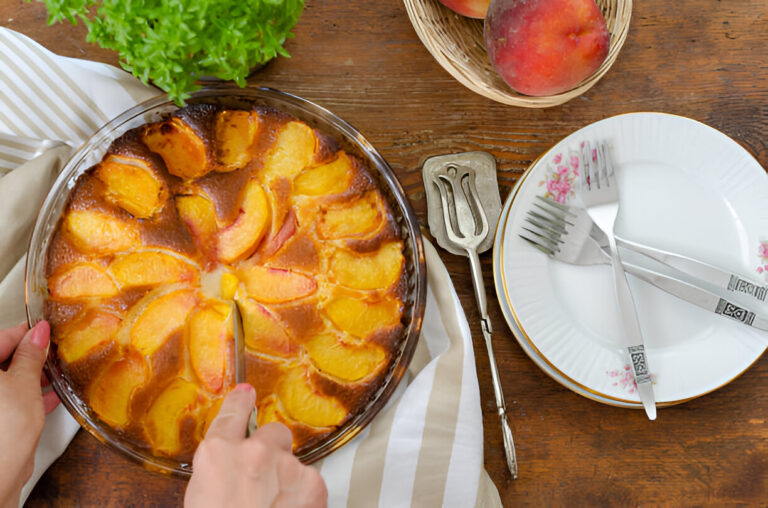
(232, 470)
(23, 406)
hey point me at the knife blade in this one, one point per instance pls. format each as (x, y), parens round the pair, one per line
(699, 297)
(239, 335)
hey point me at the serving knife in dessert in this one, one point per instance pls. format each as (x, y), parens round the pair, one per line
(237, 320)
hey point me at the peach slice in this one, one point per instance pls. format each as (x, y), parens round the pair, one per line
(294, 149)
(302, 400)
(269, 411)
(229, 284)
(83, 280)
(132, 185)
(98, 233)
(362, 318)
(150, 268)
(264, 333)
(210, 334)
(182, 149)
(378, 270)
(93, 331)
(358, 218)
(110, 394)
(278, 239)
(241, 238)
(235, 133)
(211, 413)
(198, 213)
(163, 422)
(346, 361)
(276, 285)
(160, 318)
(331, 178)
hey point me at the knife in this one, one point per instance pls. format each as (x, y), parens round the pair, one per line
(699, 296)
(240, 361)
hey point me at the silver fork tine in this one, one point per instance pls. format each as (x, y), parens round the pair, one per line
(553, 225)
(544, 239)
(536, 244)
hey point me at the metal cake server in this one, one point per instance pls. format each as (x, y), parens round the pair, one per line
(237, 319)
(466, 224)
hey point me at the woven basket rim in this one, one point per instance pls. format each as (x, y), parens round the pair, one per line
(429, 16)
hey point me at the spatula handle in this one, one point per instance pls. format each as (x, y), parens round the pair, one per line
(485, 321)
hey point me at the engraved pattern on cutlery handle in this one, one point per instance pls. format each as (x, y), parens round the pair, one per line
(739, 285)
(639, 363)
(733, 311)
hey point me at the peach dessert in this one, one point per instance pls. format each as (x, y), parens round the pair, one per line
(208, 206)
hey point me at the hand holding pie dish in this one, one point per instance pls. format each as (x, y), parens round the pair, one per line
(209, 204)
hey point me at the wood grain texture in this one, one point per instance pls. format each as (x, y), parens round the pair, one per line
(704, 59)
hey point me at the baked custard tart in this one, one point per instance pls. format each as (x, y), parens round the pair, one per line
(207, 205)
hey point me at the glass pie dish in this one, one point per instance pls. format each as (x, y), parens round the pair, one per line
(158, 110)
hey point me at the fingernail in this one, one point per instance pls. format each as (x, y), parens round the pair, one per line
(40, 335)
(243, 387)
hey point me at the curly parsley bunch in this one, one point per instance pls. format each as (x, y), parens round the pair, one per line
(174, 42)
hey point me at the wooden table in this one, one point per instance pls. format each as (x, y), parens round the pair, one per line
(704, 59)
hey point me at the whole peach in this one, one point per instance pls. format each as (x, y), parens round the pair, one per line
(469, 8)
(545, 47)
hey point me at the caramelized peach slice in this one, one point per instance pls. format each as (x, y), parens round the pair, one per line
(182, 149)
(378, 270)
(111, 393)
(358, 218)
(269, 411)
(304, 402)
(198, 213)
(95, 330)
(150, 268)
(361, 318)
(160, 318)
(264, 333)
(132, 185)
(294, 149)
(229, 285)
(235, 132)
(98, 233)
(276, 285)
(210, 332)
(241, 238)
(211, 413)
(331, 178)
(344, 360)
(180, 399)
(83, 280)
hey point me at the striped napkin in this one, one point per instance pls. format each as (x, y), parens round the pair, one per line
(424, 449)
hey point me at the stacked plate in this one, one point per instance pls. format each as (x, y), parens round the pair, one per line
(684, 187)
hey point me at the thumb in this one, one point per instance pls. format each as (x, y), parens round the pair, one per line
(28, 359)
(232, 420)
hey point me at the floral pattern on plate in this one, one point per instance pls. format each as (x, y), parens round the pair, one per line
(561, 177)
(623, 378)
(762, 253)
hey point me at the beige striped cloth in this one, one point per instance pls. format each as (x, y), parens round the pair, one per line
(424, 449)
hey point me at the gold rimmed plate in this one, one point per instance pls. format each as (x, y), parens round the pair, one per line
(684, 187)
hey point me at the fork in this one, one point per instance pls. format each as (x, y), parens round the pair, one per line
(600, 195)
(466, 226)
(574, 222)
(546, 235)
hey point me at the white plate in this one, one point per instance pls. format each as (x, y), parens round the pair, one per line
(684, 187)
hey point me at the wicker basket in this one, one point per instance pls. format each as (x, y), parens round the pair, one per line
(457, 44)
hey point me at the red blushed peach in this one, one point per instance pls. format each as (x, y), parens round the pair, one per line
(545, 47)
(470, 8)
